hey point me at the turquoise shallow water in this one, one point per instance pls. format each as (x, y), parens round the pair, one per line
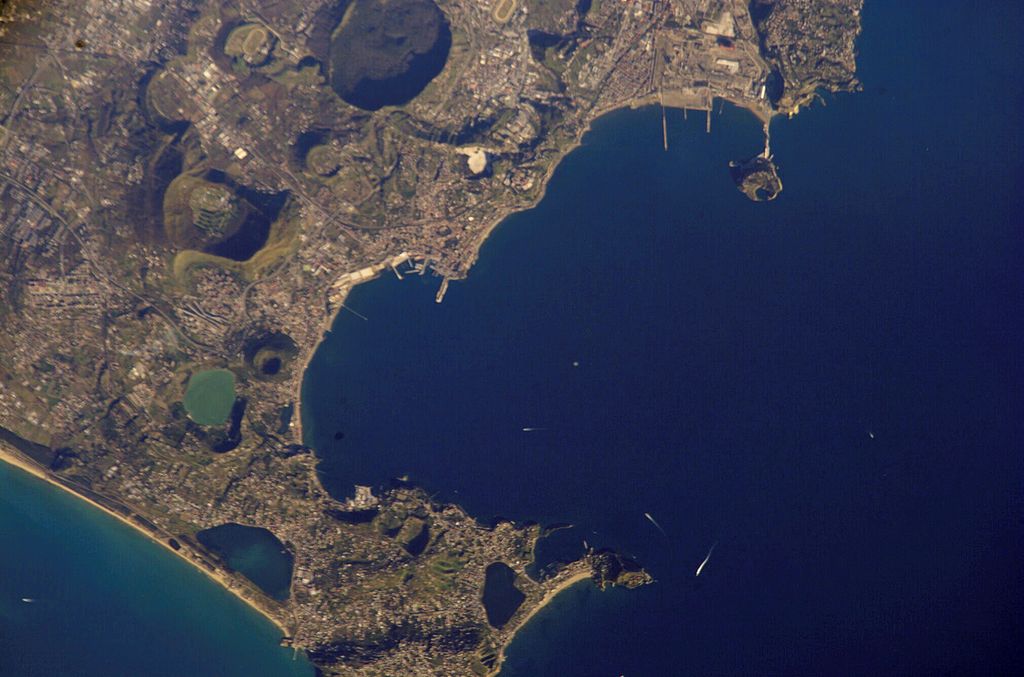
(733, 359)
(109, 602)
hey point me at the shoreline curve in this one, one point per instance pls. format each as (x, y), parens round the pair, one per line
(236, 588)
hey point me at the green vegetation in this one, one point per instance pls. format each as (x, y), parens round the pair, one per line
(324, 159)
(164, 98)
(384, 52)
(212, 208)
(443, 571)
(251, 43)
(268, 361)
(270, 356)
(252, 48)
(195, 209)
(503, 10)
(546, 15)
(390, 521)
(757, 178)
(302, 75)
(281, 241)
(210, 395)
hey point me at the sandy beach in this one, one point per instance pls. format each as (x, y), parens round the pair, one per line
(544, 601)
(16, 459)
(325, 328)
(340, 288)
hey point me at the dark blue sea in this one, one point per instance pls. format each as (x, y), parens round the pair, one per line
(827, 386)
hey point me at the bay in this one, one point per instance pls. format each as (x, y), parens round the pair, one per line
(827, 386)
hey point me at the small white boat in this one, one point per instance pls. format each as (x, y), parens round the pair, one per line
(704, 563)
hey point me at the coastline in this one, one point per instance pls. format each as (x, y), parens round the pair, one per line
(339, 290)
(544, 601)
(15, 459)
(340, 293)
(325, 327)
(631, 104)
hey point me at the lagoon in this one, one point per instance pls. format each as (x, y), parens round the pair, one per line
(827, 385)
(253, 552)
(109, 602)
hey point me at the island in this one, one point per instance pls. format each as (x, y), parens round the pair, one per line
(190, 189)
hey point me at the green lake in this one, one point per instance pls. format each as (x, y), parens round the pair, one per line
(209, 396)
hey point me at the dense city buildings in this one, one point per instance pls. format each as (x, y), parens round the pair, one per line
(194, 184)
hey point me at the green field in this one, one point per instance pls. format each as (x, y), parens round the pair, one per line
(503, 10)
(210, 395)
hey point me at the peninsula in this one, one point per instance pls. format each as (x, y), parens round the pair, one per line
(189, 190)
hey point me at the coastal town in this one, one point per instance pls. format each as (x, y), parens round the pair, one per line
(188, 187)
